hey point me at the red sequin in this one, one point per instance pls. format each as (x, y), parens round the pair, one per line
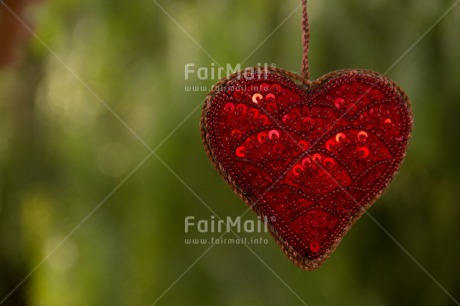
(315, 247)
(310, 158)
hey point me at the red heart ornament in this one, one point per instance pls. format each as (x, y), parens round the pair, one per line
(308, 157)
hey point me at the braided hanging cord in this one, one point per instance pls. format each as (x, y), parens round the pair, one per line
(305, 41)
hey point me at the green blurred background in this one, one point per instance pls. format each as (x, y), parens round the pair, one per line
(90, 218)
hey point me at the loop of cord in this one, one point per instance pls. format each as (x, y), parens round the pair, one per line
(305, 41)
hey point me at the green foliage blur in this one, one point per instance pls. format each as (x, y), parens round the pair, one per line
(89, 216)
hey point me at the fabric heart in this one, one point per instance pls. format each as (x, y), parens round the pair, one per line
(308, 157)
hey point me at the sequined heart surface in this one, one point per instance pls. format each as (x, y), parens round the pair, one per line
(308, 157)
